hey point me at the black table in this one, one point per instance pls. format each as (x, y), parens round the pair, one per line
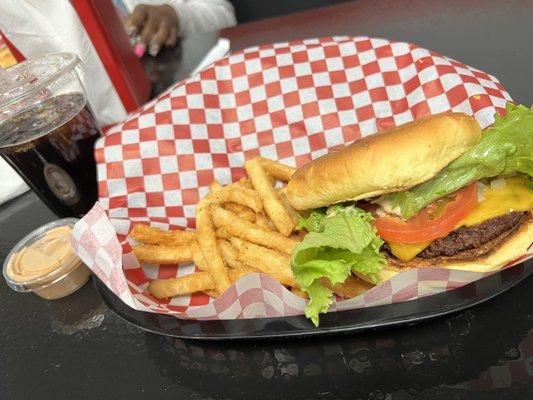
(76, 348)
(176, 63)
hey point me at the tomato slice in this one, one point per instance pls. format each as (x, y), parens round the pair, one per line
(432, 222)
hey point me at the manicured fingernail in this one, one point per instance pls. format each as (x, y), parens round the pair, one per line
(139, 49)
(132, 31)
(134, 40)
(153, 50)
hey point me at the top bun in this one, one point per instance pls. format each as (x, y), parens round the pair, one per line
(392, 161)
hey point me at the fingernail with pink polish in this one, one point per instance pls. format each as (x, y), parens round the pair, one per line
(139, 49)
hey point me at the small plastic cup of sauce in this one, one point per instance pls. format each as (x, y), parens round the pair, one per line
(44, 262)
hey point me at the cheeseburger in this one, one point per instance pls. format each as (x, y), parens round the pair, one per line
(436, 192)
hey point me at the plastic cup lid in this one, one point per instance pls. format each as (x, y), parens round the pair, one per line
(30, 77)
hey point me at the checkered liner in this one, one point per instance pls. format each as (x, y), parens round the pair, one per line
(291, 102)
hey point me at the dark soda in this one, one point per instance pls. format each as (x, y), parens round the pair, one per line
(51, 145)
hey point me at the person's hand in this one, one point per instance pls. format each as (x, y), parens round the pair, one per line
(157, 26)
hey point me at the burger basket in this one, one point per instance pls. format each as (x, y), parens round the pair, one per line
(291, 102)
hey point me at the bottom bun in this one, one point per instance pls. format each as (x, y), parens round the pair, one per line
(515, 245)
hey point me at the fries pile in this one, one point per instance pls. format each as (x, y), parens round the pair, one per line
(247, 226)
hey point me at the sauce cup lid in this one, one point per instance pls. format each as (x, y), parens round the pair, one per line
(43, 277)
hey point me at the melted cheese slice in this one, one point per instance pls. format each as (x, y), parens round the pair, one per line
(514, 196)
(407, 251)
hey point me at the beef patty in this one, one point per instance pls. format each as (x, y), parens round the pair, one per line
(466, 238)
(477, 253)
(469, 238)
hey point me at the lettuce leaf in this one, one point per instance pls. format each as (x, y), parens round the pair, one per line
(340, 240)
(505, 148)
(313, 222)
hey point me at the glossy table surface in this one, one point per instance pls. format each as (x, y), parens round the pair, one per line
(76, 348)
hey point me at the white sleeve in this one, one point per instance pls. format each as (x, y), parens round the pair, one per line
(198, 16)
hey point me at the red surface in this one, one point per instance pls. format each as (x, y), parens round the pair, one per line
(107, 34)
(492, 35)
(404, 18)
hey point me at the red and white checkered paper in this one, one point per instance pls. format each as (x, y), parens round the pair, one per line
(291, 102)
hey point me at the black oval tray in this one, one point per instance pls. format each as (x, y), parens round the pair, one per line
(335, 322)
